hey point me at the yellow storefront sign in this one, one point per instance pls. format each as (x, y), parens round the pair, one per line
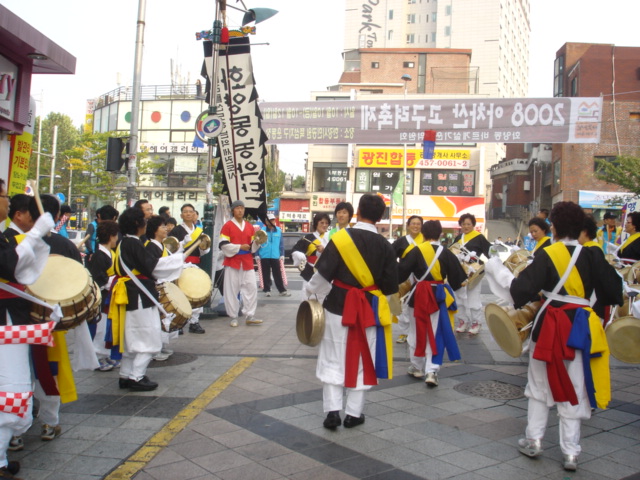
(393, 157)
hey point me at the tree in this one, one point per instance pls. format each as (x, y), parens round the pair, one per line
(274, 182)
(298, 182)
(623, 172)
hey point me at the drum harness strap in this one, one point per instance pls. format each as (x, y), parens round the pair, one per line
(167, 317)
(56, 311)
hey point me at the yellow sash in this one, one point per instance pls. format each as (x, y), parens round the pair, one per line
(119, 301)
(313, 246)
(467, 237)
(428, 254)
(540, 243)
(59, 353)
(359, 269)
(559, 255)
(592, 243)
(419, 240)
(194, 237)
(629, 241)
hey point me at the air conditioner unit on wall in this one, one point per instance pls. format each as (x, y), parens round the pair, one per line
(526, 185)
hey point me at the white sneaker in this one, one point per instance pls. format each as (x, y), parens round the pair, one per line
(249, 320)
(267, 294)
(475, 328)
(415, 372)
(570, 462)
(167, 351)
(161, 357)
(233, 322)
(530, 447)
(462, 326)
(432, 379)
(285, 293)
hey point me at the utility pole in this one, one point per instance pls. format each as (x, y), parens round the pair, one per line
(132, 161)
(53, 159)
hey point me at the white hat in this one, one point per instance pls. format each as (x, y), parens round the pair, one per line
(271, 216)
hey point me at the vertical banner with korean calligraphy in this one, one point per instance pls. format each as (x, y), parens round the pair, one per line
(20, 146)
(242, 141)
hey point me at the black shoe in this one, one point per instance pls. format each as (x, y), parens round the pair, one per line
(143, 385)
(123, 382)
(332, 421)
(195, 328)
(13, 467)
(180, 332)
(5, 472)
(350, 422)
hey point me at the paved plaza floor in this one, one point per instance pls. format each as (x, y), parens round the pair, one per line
(244, 403)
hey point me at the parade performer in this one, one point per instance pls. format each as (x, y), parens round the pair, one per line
(569, 355)
(20, 265)
(539, 230)
(21, 221)
(431, 304)
(470, 314)
(309, 248)
(355, 272)
(630, 249)
(343, 214)
(236, 242)
(402, 246)
(188, 228)
(133, 311)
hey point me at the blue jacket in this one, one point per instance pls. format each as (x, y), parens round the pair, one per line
(274, 246)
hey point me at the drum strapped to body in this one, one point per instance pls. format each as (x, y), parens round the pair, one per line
(310, 322)
(623, 337)
(405, 287)
(174, 301)
(632, 275)
(507, 325)
(67, 283)
(196, 285)
(517, 261)
(474, 270)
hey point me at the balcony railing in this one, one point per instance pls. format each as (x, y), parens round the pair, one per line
(152, 92)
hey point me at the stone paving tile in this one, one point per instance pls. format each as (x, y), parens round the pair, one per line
(468, 460)
(108, 449)
(543, 465)
(184, 470)
(86, 465)
(432, 447)
(435, 468)
(605, 468)
(399, 436)
(320, 473)
(251, 471)
(63, 444)
(499, 429)
(130, 435)
(165, 457)
(506, 471)
(290, 463)
(398, 456)
(62, 476)
(237, 438)
(211, 429)
(264, 450)
(498, 451)
(196, 448)
(82, 432)
(459, 421)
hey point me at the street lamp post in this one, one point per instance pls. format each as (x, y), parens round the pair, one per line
(405, 78)
(53, 158)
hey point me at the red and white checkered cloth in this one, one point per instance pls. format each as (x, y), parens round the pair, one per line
(16, 403)
(38, 334)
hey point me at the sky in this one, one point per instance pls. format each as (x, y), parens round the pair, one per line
(303, 53)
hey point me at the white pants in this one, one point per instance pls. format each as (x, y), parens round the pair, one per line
(195, 315)
(470, 305)
(243, 283)
(134, 365)
(15, 376)
(424, 364)
(404, 319)
(49, 412)
(332, 399)
(142, 339)
(540, 400)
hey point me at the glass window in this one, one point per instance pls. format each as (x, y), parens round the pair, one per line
(330, 178)
(604, 158)
(381, 181)
(447, 10)
(434, 17)
(390, 35)
(375, 64)
(448, 182)
(574, 87)
(556, 173)
(447, 31)
(558, 77)
(433, 37)
(411, 18)
(411, 38)
(390, 14)
(408, 64)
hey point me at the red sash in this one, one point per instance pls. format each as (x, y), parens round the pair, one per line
(357, 316)
(192, 259)
(425, 304)
(5, 295)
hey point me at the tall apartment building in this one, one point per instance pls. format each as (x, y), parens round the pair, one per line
(497, 31)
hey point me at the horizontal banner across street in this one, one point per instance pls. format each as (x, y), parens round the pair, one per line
(503, 120)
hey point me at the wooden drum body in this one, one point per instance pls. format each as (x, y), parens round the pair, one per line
(623, 336)
(506, 326)
(174, 301)
(517, 261)
(67, 283)
(196, 285)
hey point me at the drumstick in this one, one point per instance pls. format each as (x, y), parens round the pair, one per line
(195, 245)
(83, 240)
(34, 186)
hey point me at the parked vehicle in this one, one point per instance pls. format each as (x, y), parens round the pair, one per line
(290, 239)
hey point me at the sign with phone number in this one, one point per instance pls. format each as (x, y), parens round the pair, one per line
(441, 163)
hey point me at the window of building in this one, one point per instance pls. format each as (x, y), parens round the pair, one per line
(556, 173)
(433, 37)
(426, 19)
(375, 64)
(329, 177)
(381, 181)
(447, 10)
(448, 182)
(634, 116)
(598, 162)
(412, 2)
(558, 77)
(408, 64)
(434, 17)
(574, 87)
(447, 31)
(411, 18)
(411, 38)
(390, 35)
(390, 14)
(372, 90)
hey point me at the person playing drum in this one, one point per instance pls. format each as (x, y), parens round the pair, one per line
(431, 304)
(189, 230)
(630, 249)
(470, 316)
(560, 371)
(356, 272)
(20, 265)
(539, 230)
(135, 317)
(402, 246)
